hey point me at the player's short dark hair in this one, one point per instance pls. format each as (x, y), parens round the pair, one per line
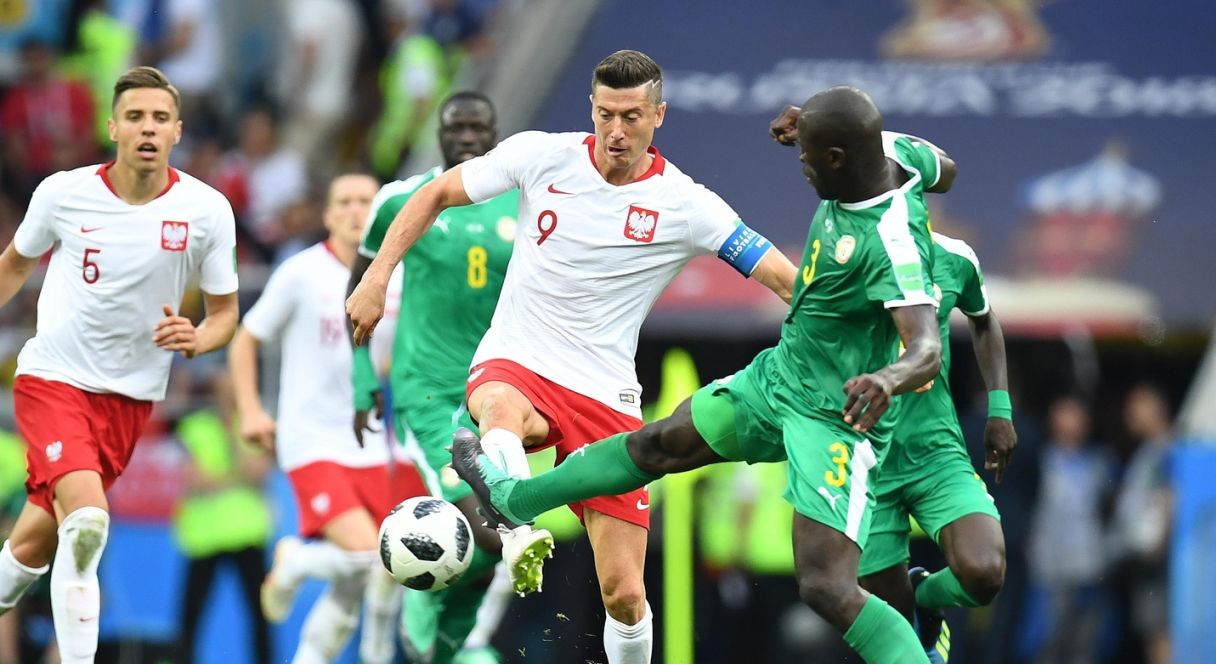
(145, 77)
(467, 95)
(629, 69)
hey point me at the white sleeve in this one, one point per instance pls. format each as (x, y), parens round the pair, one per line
(36, 234)
(505, 167)
(266, 319)
(710, 219)
(219, 263)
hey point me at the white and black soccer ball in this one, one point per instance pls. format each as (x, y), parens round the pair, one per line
(426, 543)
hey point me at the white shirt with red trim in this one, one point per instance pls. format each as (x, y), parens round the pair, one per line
(303, 309)
(590, 258)
(113, 265)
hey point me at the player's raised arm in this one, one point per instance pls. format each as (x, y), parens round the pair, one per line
(946, 168)
(15, 270)
(869, 395)
(365, 306)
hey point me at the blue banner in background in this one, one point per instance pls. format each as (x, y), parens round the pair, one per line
(1192, 575)
(1083, 131)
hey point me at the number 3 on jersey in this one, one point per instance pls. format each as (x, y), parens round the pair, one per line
(89, 270)
(840, 457)
(477, 267)
(808, 273)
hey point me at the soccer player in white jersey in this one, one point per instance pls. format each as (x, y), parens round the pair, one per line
(125, 240)
(605, 223)
(343, 488)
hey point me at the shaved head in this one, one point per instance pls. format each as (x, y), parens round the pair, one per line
(842, 116)
(840, 133)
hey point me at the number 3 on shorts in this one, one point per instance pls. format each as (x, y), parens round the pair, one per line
(840, 457)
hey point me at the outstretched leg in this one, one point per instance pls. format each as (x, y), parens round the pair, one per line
(612, 466)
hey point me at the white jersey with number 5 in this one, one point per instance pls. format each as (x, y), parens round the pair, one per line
(590, 258)
(303, 308)
(113, 266)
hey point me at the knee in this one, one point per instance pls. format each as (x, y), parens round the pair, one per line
(828, 596)
(32, 552)
(982, 576)
(497, 407)
(662, 447)
(85, 532)
(624, 598)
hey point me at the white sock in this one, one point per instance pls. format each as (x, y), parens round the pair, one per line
(506, 450)
(15, 578)
(330, 622)
(629, 644)
(322, 560)
(75, 595)
(493, 607)
(381, 604)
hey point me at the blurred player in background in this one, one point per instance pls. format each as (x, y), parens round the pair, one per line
(818, 398)
(928, 474)
(450, 287)
(343, 488)
(126, 238)
(606, 224)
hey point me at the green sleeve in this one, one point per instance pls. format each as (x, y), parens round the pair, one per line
(915, 154)
(897, 271)
(973, 297)
(363, 377)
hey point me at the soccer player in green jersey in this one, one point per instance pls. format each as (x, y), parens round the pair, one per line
(929, 475)
(819, 396)
(451, 285)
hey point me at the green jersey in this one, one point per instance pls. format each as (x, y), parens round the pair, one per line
(451, 281)
(860, 260)
(928, 420)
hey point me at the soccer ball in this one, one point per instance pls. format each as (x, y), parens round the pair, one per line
(426, 543)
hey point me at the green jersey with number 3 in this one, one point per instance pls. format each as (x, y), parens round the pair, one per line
(860, 259)
(928, 420)
(452, 278)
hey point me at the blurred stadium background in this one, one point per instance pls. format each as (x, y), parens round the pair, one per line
(1084, 134)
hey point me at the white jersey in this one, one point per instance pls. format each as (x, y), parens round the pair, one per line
(113, 266)
(590, 258)
(302, 308)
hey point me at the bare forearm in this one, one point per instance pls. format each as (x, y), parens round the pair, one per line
(408, 226)
(243, 366)
(989, 343)
(356, 275)
(919, 365)
(15, 270)
(215, 331)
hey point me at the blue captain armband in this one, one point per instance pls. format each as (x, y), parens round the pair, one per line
(744, 249)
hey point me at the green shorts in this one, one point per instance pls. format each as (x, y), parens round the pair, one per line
(829, 463)
(425, 429)
(943, 488)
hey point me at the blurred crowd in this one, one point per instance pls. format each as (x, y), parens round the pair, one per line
(276, 97)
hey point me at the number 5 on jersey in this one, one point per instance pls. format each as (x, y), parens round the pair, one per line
(89, 270)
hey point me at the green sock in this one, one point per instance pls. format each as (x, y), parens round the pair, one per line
(602, 468)
(429, 614)
(457, 619)
(942, 590)
(461, 601)
(882, 636)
